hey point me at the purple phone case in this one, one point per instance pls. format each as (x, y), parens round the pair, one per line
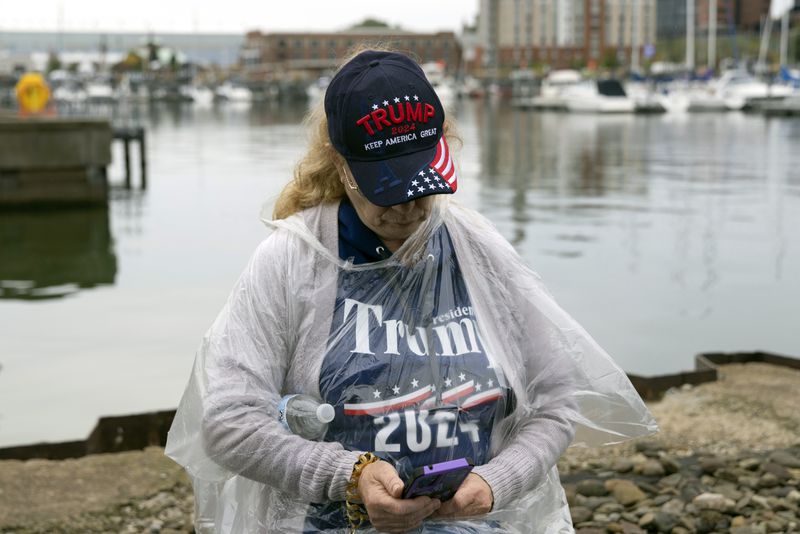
(439, 481)
(442, 467)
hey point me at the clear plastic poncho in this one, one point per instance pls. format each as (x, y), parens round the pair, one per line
(450, 348)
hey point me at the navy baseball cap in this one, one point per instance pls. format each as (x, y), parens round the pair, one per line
(386, 120)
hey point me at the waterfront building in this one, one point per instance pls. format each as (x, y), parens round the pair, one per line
(563, 33)
(302, 54)
(519, 33)
(745, 15)
(671, 17)
(203, 49)
(726, 12)
(752, 14)
(630, 25)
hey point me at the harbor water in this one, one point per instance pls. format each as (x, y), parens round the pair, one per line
(665, 236)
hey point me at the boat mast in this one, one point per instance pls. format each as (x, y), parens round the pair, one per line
(762, 51)
(636, 24)
(777, 9)
(732, 32)
(784, 37)
(516, 50)
(712, 34)
(690, 35)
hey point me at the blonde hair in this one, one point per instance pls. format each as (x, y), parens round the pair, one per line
(316, 175)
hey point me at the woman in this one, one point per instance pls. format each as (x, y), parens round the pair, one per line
(415, 320)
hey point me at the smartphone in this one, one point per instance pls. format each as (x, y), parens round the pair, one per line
(438, 481)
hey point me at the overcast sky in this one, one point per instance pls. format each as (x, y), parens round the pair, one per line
(229, 16)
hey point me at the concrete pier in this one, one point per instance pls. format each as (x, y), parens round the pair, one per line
(46, 160)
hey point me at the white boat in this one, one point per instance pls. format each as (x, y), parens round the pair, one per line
(692, 98)
(99, 90)
(446, 92)
(551, 93)
(600, 96)
(788, 106)
(443, 85)
(69, 93)
(316, 91)
(739, 89)
(128, 91)
(471, 87)
(234, 93)
(645, 97)
(199, 95)
(708, 98)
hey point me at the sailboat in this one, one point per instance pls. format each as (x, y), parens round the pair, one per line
(778, 9)
(698, 96)
(734, 90)
(790, 81)
(768, 93)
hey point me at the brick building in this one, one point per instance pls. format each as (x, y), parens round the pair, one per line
(317, 53)
(751, 13)
(727, 10)
(745, 15)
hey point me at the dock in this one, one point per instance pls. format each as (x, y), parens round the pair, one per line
(53, 161)
(62, 161)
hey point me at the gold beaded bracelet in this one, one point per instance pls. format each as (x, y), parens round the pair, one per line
(356, 513)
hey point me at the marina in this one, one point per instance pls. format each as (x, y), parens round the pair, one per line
(659, 200)
(640, 225)
(644, 199)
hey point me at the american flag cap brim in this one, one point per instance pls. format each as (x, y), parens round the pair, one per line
(391, 181)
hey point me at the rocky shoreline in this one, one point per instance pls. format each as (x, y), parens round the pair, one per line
(752, 492)
(727, 459)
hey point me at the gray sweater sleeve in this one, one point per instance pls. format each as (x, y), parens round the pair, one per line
(544, 418)
(245, 355)
(528, 455)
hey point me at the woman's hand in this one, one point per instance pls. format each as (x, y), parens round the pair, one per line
(474, 497)
(381, 490)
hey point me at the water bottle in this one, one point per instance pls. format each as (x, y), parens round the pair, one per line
(305, 416)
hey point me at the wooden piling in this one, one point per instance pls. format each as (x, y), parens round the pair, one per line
(126, 143)
(128, 135)
(142, 158)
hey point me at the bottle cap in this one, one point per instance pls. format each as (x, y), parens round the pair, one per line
(325, 413)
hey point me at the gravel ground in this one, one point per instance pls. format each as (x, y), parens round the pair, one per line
(720, 439)
(753, 407)
(124, 492)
